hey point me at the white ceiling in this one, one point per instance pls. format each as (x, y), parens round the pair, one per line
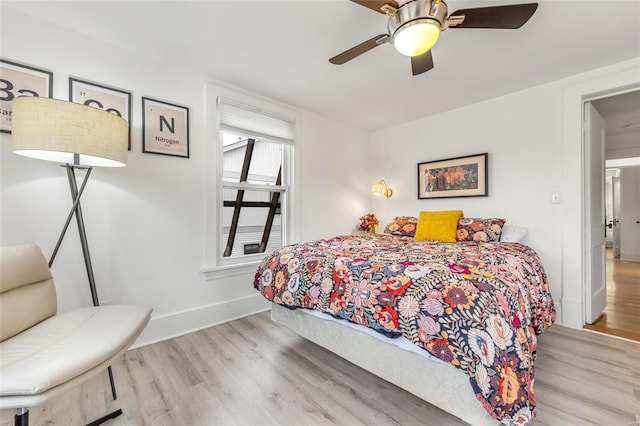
(621, 113)
(281, 50)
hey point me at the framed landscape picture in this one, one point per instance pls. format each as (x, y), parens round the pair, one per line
(165, 128)
(110, 99)
(454, 177)
(20, 80)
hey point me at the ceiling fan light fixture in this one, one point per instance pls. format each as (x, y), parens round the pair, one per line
(416, 37)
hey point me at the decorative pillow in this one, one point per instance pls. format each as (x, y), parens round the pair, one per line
(513, 234)
(404, 226)
(438, 225)
(474, 229)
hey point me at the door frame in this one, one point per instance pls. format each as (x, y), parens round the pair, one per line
(586, 186)
(602, 82)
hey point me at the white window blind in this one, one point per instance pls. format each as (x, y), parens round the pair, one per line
(250, 121)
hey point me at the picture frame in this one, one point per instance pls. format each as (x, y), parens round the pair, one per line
(18, 79)
(107, 98)
(454, 177)
(165, 128)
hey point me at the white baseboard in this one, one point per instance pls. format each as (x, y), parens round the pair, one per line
(630, 256)
(176, 324)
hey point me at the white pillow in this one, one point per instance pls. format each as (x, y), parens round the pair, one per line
(512, 234)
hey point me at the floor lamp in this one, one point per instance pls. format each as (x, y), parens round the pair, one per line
(78, 136)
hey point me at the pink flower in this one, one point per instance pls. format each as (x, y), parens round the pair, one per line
(428, 324)
(460, 269)
(515, 321)
(432, 306)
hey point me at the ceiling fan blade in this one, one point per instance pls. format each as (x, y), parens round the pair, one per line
(507, 17)
(358, 50)
(376, 5)
(421, 63)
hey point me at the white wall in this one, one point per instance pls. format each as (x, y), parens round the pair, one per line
(532, 153)
(334, 185)
(145, 222)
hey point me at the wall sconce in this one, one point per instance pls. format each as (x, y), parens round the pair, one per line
(380, 188)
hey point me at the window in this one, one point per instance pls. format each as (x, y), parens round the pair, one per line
(254, 158)
(252, 195)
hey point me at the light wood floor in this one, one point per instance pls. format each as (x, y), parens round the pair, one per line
(254, 372)
(621, 317)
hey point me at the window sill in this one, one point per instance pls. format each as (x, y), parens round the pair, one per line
(217, 272)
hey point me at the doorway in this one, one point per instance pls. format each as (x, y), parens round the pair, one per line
(611, 306)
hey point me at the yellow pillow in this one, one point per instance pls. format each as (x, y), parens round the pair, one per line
(438, 226)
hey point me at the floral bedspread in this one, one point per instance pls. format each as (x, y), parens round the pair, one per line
(476, 306)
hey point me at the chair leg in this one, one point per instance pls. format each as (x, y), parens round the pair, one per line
(113, 384)
(103, 419)
(22, 417)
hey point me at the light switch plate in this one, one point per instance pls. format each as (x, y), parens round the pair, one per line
(555, 197)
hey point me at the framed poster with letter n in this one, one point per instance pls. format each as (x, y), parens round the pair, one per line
(165, 128)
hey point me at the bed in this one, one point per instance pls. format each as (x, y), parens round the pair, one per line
(410, 310)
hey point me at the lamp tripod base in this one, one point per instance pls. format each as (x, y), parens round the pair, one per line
(76, 210)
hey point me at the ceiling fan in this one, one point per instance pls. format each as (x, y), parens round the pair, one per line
(414, 26)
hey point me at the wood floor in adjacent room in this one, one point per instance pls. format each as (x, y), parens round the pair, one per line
(621, 317)
(254, 372)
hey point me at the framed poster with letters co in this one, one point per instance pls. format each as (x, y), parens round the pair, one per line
(165, 128)
(20, 80)
(110, 99)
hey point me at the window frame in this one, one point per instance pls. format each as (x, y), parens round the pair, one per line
(217, 266)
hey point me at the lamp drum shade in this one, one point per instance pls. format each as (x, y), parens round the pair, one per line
(67, 132)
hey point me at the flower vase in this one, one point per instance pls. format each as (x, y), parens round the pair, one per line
(372, 230)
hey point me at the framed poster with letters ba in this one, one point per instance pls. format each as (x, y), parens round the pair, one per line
(20, 80)
(165, 128)
(110, 99)
(454, 177)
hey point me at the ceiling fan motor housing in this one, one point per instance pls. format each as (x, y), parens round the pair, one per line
(418, 11)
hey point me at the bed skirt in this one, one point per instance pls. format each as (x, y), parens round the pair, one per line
(430, 380)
